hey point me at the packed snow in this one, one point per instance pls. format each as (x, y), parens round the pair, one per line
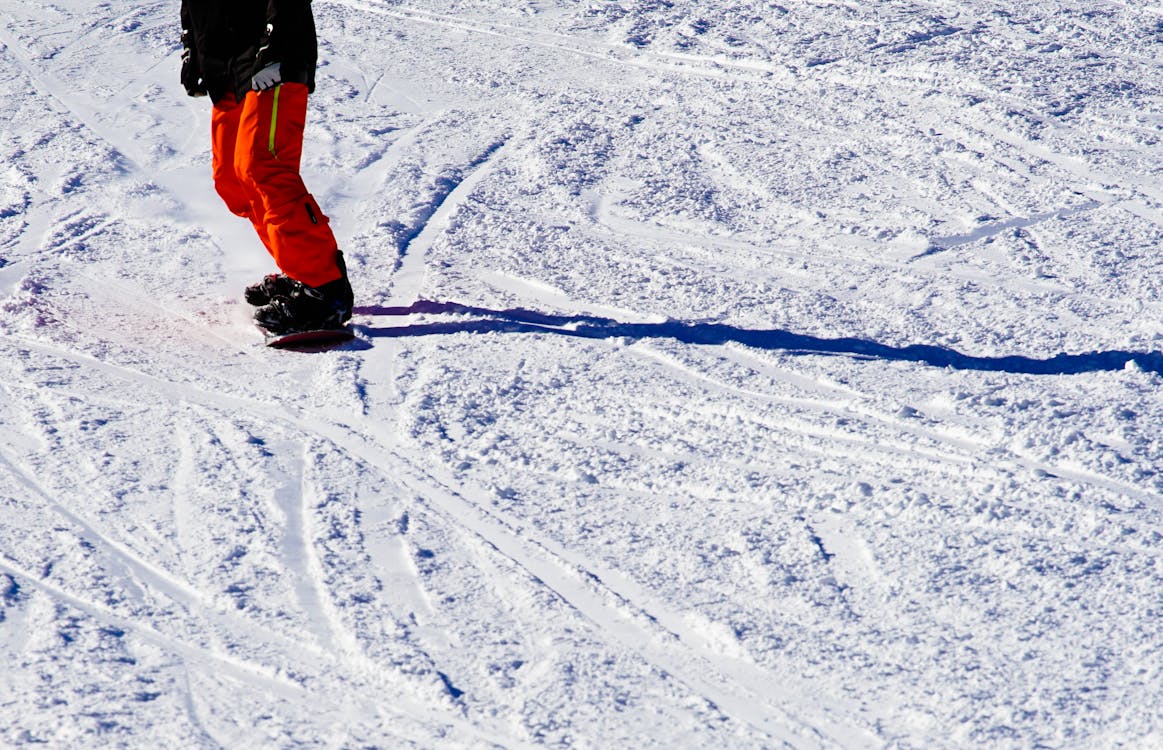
(728, 374)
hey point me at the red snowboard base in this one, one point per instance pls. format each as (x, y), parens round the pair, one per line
(319, 339)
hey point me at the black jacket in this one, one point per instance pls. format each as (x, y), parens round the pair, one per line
(227, 41)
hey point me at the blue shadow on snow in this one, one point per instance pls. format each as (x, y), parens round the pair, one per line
(521, 320)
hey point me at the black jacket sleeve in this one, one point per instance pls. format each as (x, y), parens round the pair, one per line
(191, 65)
(290, 40)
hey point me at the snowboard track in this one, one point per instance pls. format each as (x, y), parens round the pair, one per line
(616, 616)
(622, 612)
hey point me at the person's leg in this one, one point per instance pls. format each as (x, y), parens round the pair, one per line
(266, 159)
(224, 124)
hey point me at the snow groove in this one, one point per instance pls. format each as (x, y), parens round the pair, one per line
(299, 558)
(408, 279)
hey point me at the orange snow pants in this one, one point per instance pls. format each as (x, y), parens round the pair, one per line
(257, 147)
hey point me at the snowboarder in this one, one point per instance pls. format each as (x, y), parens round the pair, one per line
(256, 60)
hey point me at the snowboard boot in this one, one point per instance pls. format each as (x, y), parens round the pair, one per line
(306, 308)
(280, 285)
(292, 306)
(272, 285)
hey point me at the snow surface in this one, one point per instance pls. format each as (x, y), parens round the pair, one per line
(730, 374)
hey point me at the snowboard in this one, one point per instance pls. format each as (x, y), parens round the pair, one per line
(322, 338)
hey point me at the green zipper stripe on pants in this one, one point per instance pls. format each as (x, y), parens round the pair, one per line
(274, 121)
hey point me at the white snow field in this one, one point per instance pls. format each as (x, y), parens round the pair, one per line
(729, 374)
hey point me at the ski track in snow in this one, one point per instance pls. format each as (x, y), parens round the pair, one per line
(536, 502)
